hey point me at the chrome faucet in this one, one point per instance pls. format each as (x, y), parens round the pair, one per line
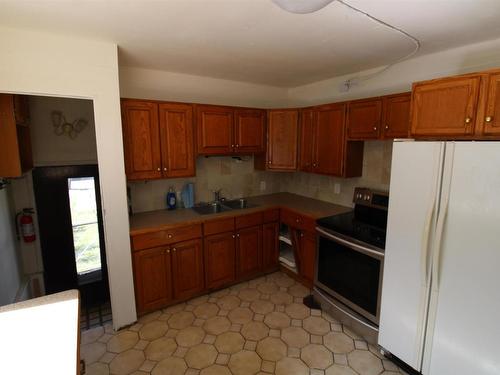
(217, 195)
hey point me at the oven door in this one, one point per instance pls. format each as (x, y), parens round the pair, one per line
(350, 272)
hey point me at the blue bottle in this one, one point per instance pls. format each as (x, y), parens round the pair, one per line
(171, 199)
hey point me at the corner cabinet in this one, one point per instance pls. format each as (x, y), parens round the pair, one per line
(282, 141)
(158, 139)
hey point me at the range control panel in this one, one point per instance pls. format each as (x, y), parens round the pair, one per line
(369, 197)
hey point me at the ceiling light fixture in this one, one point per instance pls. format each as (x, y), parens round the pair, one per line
(302, 6)
(310, 6)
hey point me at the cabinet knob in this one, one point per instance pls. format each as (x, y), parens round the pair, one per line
(269, 162)
(169, 236)
(314, 164)
(297, 220)
(174, 249)
(159, 169)
(233, 236)
(165, 169)
(168, 251)
(301, 234)
(387, 127)
(468, 120)
(375, 128)
(237, 146)
(488, 119)
(238, 235)
(232, 146)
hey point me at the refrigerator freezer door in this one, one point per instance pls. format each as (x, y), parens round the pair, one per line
(466, 330)
(413, 204)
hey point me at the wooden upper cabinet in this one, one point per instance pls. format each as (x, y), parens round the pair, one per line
(152, 276)
(187, 268)
(249, 130)
(363, 119)
(445, 107)
(306, 135)
(15, 141)
(214, 126)
(220, 261)
(177, 140)
(282, 139)
(491, 120)
(141, 138)
(396, 116)
(249, 251)
(328, 146)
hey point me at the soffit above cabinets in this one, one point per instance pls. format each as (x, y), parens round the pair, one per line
(256, 41)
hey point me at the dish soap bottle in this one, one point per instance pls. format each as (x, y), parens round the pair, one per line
(171, 199)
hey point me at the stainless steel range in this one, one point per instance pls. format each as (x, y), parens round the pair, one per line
(350, 262)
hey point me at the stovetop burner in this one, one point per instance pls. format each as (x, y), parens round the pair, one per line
(366, 223)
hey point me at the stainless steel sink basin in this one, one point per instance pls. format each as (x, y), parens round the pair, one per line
(238, 204)
(210, 208)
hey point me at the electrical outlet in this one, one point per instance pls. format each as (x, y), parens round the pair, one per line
(263, 186)
(336, 188)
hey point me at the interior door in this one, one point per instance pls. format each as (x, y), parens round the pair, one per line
(329, 140)
(177, 140)
(71, 230)
(466, 297)
(415, 183)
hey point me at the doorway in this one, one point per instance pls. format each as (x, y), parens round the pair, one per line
(72, 236)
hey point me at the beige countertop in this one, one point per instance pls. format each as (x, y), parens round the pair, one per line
(151, 221)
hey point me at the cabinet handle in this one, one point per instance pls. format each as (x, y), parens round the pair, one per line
(233, 236)
(174, 249)
(375, 128)
(165, 169)
(488, 119)
(387, 127)
(159, 169)
(269, 162)
(169, 236)
(168, 251)
(468, 120)
(238, 235)
(232, 146)
(237, 146)
(314, 165)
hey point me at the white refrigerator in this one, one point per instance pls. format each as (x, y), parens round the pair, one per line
(440, 307)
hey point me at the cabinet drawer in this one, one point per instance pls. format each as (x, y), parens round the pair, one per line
(249, 220)
(298, 221)
(218, 226)
(165, 237)
(271, 215)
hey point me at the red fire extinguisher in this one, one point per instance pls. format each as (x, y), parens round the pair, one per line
(24, 220)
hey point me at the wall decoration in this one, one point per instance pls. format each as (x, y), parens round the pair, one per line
(69, 129)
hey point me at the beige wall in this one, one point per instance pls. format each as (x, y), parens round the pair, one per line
(236, 179)
(37, 63)
(163, 85)
(52, 149)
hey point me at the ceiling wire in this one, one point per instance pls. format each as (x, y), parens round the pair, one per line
(351, 81)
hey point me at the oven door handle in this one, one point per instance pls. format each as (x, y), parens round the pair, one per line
(351, 245)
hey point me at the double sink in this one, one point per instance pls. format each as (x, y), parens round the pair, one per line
(222, 206)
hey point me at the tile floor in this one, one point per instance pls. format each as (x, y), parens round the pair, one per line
(256, 327)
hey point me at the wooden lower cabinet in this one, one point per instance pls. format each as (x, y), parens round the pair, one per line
(249, 251)
(187, 269)
(270, 246)
(168, 273)
(220, 261)
(153, 279)
(307, 249)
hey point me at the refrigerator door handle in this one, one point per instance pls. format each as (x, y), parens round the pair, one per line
(425, 242)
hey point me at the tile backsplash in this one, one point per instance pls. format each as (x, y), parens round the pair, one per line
(237, 178)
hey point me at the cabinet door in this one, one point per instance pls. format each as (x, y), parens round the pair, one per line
(249, 130)
(329, 140)
(214, 129)
(177, 140)
(445, 107)
(306, 140)
(152, 275)
(219, 254)
(187, 268)
(270, 246)
(249, 251)
(282, 137)
(307, 255)
(363, 119)
(396, 116)
(141, 138)
(491, 121)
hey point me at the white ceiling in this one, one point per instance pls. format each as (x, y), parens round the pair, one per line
(254, 40)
